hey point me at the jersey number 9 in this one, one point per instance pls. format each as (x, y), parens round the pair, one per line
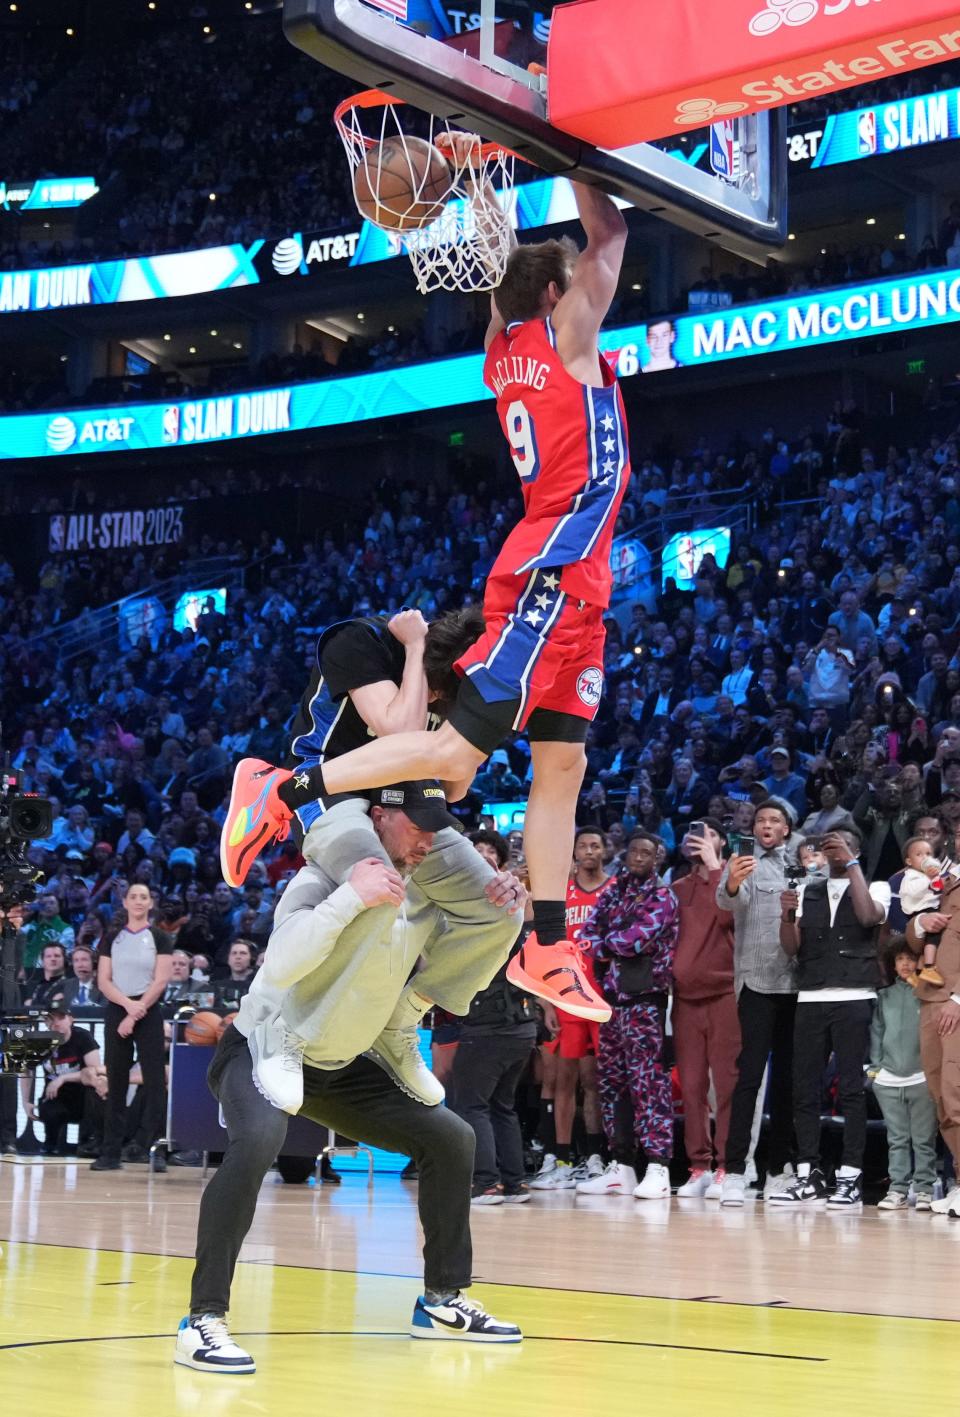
(523, 441)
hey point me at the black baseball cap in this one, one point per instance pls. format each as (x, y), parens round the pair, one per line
(425, 803)
(58, 1007)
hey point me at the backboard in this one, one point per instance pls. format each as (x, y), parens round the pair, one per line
(491, 78)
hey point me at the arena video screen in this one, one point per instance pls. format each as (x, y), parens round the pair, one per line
(193, 603)
(683, 554)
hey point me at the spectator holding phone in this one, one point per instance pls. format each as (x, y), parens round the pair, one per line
(766, 989)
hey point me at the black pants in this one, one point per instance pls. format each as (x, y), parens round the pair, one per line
(57, 1112)
(8, 1113)
(822, 1029)
(486, 1071)
(358, 1101)
(147, 1040)
(766, 1031)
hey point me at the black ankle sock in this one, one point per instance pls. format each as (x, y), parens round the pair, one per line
(295, 794)
(545, 1128)
(562, 1151)
(595, 1143)
(550, 920)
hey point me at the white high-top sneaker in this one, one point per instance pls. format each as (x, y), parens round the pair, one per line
(277, 1055)
(776, 1185)
(697, 1186)
(397, 1050)
(614, 1180)
(948, 1204)
(655, 1185)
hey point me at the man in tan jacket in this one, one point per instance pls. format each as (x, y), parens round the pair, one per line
(940, 1026)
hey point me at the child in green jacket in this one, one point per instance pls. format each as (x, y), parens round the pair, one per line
(899, 1084)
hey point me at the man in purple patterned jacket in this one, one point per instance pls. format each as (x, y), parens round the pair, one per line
(632, 936)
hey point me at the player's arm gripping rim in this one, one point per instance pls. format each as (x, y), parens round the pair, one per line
(584, 306)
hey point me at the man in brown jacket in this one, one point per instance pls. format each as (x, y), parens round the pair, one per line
(940, 1026)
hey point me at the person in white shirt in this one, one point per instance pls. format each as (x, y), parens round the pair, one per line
(830, 669)
(831, 926)
(738, 681)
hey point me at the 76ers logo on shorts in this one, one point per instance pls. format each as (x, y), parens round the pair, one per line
(590, 687)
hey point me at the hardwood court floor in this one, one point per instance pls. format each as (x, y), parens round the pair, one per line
(678, 1308)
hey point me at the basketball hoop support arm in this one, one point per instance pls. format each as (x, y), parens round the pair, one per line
(376, 52)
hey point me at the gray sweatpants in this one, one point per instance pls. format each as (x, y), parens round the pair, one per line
(911, 1117)
(471, 938)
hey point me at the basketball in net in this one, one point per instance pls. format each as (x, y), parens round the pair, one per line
(445, 199)
(402, 183)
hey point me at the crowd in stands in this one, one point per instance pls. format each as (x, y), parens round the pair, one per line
(819, 670)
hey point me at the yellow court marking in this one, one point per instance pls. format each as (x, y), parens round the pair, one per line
(98, 1327)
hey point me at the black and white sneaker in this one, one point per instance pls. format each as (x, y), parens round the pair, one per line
(847, 1193)
(809, 1190)
(204, 1343)
(460, 1318)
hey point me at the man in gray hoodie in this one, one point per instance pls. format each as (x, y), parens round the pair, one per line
(337, 964)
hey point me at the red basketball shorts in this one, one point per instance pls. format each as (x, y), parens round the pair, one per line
(540, 656)
(578, 1037)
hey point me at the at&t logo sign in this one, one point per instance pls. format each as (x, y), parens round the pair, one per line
(61, 434)
(287, 255)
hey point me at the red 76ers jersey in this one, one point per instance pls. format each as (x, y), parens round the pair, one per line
(570, 447)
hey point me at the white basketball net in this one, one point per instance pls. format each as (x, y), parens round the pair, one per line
(467, 246)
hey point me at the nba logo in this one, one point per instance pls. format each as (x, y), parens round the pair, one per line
(867, 132)
(58, 533)
(723, 149)
(171, 424)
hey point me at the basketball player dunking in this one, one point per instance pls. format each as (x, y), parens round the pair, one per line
(539, 665)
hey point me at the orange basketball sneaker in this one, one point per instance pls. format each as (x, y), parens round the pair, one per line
(255, 816)
(555, 973)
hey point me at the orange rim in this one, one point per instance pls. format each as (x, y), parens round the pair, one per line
(375, 98)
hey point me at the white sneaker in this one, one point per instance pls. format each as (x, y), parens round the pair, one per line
(397, 1050)
(655, 1185)
(697, 1186)
(592, 1168)
(776, 1185)
(549, 1164)
(563, 1177)
(923, 1200)
(734, 1187)
(277, 1055)
(715, 1189)
(614, 1180)
(205, 1344)
(949, 1205)
(893, 1200)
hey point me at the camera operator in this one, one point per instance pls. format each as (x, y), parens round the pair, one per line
(11, 1004)
(70, 1093)
(132, 974)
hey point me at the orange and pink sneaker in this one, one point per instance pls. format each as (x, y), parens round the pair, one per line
(255, 817)
(556, 973)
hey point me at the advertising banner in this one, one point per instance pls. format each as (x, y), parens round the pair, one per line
(920, 300)
(872, 132)
(47, 194)
(741, 56)
(115, 531)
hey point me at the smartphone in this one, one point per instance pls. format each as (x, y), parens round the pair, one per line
(697, 829)
(745, 845)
